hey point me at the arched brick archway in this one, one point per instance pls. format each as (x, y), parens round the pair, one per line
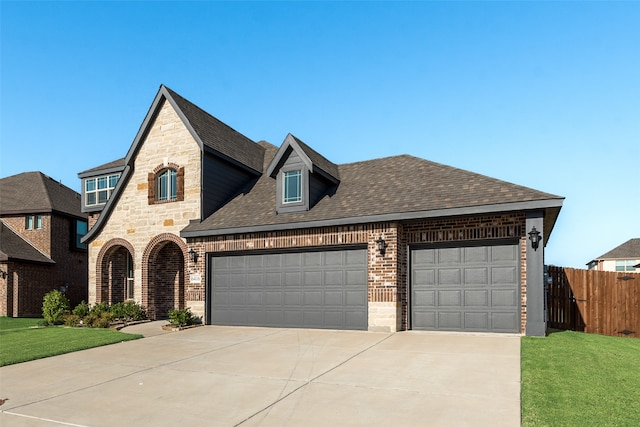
(111, 274)
(163, 281)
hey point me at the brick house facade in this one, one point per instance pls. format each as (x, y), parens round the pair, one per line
(362, 246)
(40, 243)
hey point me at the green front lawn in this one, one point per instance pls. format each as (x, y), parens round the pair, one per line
(577, 379)
(22, 340)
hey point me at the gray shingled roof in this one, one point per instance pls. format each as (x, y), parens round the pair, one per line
(116, 164)
(319, 160)
(31, 192)
(392, 185)
(628, 250)
(13, 247)
(219, 136)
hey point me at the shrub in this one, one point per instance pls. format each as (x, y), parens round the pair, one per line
(118, 311)
(181, 317)
(82, 309)
(54, 306)
(134, 311)
(72, 319)
(100, 308)
(99, 319)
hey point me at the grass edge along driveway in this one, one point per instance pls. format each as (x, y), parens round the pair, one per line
(577, 379)
(22, 340)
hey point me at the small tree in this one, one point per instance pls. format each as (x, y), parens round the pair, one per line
(181, 317)
(54, 306)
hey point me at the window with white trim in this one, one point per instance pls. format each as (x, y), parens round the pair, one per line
(626, 265)
(98, 190)
(292, 186)
(167, 185)
(129, 285)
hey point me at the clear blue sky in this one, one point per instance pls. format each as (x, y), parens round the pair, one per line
(541, 94)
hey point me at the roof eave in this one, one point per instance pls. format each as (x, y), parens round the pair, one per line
(547, 205)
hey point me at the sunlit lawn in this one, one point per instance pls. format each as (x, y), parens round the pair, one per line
(577, 379)
(22, 340)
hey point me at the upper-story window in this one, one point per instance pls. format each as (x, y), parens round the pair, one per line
(33, 222)
(167, 185)
(625, 265)
(292, 186)
(98, 190)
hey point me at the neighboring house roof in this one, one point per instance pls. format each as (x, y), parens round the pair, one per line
(35, 192)
(15, 248)
(392, 188)
(628, 250)
(116, 165)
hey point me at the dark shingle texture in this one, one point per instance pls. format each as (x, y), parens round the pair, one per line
(35, 192)
(319, 160)
(220, 137)
(391, 185)
(120, 163)
(14, 247)
(627, 250)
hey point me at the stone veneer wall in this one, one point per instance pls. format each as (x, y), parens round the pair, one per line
(133, 219)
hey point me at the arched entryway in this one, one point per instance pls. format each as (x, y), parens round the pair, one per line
(164, 286)
(115, 265)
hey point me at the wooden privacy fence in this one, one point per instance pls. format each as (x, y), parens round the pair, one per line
(593, 301)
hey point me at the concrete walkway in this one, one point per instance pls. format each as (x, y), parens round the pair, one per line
(227, 376)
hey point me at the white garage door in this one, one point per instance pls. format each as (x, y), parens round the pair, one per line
(318, 289)
(466, 288)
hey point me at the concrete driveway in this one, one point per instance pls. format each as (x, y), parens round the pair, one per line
(227, 376)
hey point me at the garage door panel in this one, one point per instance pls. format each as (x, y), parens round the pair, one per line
(333, 278)
(449, 256)
(450, 298)
(293, 279)
(477, 254)
(334, 298)
(504, 298)
(292, 298)
(477, 298)
(312, 278)
(355, 278)
(355, 299)
(424, 298)
(291, 260)
(355, 259)
(508, 275)
(449, 320)
(333, 258)
(477, 288)
(478, 321)
(312, 259)
(449, 276)
(476, 276)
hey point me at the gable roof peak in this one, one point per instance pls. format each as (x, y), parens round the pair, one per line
(313, 160)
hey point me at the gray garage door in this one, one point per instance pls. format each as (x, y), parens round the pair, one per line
(325, 289)
(469, 288)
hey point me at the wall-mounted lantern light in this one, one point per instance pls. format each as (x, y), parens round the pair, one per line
(381, 245)
(534, 236)
(64, 288)
(3, 274)
(194, 255)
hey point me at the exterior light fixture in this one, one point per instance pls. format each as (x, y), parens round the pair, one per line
(534, 236)
(64, 288)
(3, 274)
(194, 255)
(381, 245)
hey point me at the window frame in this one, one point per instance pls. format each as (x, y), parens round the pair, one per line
(33, 222)
(129, 287)
(77, 235)
(167, 177)
(102, 187)
(625, 265)
(286, 176)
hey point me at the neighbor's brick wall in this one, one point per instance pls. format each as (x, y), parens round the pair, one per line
(27, 283)
(133, 219)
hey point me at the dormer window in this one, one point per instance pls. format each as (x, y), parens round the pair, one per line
(167, 185)
(292, 186)
(98, 190)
